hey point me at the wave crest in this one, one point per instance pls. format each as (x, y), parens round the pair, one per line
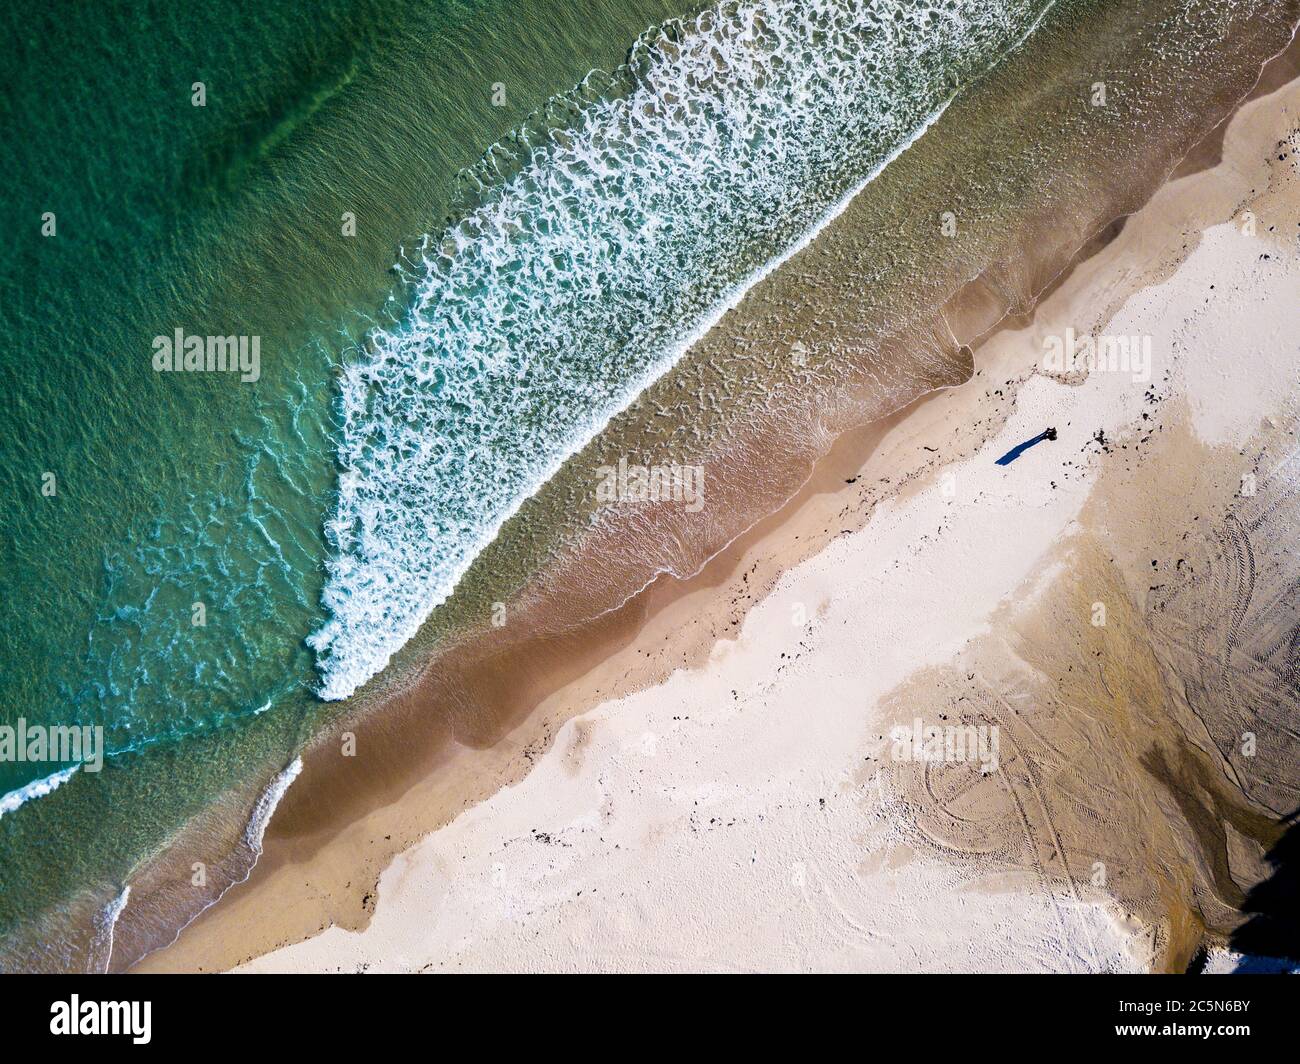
(599, 239)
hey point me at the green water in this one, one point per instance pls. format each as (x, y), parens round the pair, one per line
(139, 502)
(176, 489)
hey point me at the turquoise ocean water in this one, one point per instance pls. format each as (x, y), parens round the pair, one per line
(209, 568)
(176, 489)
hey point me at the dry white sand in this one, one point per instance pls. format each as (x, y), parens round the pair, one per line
(734, 817)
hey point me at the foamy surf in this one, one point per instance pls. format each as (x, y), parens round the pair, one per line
(20, 796)
(721, 148)
(254, 834)
(101, 950)
(266, 804)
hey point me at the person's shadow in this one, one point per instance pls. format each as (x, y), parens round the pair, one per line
(1273, 930)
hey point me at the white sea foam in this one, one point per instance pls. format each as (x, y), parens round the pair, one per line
(265, 808)
(254, 833)
(36, 789)
(723, 147)
(101, 952)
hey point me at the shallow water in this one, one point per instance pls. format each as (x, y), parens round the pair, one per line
(172, 489)
(340, 496)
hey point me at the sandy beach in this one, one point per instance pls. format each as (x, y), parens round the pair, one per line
(742, 721)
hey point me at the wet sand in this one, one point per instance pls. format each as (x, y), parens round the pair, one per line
(331, 839)
(1117, 831)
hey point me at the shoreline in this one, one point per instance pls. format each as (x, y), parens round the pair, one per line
(337, 687)
(842, 864)
(673, 625)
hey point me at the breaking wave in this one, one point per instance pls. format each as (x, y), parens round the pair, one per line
(600, 241)
(16, 799)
